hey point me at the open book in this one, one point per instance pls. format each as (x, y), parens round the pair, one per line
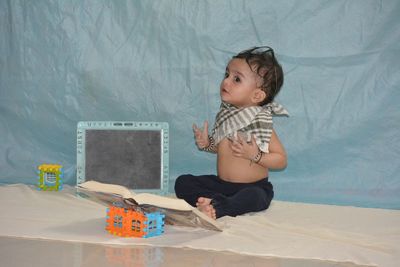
(177, 211)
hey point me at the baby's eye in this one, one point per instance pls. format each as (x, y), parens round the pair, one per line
(237, 79)
(226, 75)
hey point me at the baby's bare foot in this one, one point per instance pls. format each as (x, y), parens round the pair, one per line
(203, 201)
(204, 205)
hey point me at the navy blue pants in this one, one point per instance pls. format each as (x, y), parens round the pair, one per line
(228, 198)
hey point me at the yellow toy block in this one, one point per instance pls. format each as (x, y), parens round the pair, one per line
(50, 177)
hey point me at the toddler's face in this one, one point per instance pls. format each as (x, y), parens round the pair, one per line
(239, 84)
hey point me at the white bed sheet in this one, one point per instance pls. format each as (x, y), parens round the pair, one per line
(288, 230)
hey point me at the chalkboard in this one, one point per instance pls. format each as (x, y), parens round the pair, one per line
(132, 154)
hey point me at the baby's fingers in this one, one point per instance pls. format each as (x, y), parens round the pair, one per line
(195, 128)
(197, 132)
(205, 128)
(236, 147)
(236, 151)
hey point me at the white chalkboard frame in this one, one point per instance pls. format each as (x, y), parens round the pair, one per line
(86, 127)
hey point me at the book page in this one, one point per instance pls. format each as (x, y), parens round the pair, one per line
(188, 218)
(162, 202)
(107, 188)
(177, 211)
(141, 198)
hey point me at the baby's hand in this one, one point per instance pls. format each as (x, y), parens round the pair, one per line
(201, 135)
(240, 148)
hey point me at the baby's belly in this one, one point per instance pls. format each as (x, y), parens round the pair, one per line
(235, 169)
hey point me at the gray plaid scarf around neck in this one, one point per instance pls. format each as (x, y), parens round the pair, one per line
(256, 120)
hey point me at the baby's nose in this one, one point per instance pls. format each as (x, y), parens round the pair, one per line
(226, 81)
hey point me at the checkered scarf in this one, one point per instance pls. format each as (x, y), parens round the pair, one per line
(256, 120)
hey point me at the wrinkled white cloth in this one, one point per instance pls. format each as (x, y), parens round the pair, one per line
(288, 230)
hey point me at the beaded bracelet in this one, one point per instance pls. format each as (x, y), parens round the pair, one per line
(211, 147)
(257, 157)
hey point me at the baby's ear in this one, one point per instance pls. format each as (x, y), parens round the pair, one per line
(259, 96)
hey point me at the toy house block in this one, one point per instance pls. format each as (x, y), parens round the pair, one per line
(131, 223)
(50, 177)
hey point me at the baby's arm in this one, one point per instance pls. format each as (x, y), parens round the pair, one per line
(275, 159)
(203, 140)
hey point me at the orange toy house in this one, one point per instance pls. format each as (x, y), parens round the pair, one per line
(131, 223)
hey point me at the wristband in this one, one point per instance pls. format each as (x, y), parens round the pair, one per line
(257, 157)
(211, 146)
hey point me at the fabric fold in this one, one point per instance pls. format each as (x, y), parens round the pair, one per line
(247, 122)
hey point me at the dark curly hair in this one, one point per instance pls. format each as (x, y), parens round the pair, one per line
(262, 61)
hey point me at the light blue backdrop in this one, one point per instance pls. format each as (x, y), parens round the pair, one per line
(66, 61)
